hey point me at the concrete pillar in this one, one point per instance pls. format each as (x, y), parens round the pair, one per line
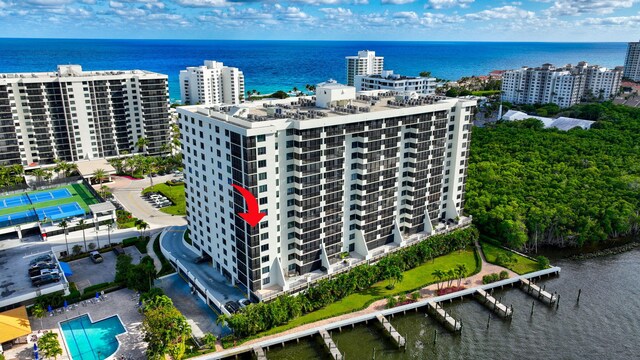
(19, 230)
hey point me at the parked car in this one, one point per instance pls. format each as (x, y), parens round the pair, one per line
(45, 279)
(35, 269)
(118, 250)
(244, 303)
(42, 265)
(232, 306)
(41, 258)
(44, 272)
(96, 257)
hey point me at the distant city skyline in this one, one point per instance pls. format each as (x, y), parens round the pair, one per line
(425, 20)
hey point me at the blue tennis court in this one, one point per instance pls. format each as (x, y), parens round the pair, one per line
(18, 218)
(60, 211)
(49, 195)
(14, 201)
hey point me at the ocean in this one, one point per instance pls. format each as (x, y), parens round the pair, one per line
(281, 65)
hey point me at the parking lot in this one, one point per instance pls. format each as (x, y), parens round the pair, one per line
(15, 282)
(87, 273)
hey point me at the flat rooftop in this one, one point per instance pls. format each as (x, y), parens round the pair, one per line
(15, 284)
(75, 71)
(304, 107)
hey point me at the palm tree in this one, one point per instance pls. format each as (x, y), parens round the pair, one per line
(142, 143)
(48, 175)
(39, 312)
(103, 190)
(61, 167)
(461, 271)
(141, 225)
(71, 168)
(100, 175)
(451, 274)
(63, 224)
(109, 228)
(95, 228)
(39, 174)
(438, 274)
(82, 225)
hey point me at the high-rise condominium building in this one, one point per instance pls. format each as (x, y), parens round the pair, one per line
(336, 173)
(73, 114)
(564, 86)
(211, 84)
(366, 63)
(387, 80)
(632, 62)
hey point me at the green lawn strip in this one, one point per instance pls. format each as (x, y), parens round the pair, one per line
(166, 266)
(175, 194)
(521, 265)
(413, 279)
(78, 192)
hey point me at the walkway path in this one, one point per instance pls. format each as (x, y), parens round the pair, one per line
(156, 261)
(426, 292)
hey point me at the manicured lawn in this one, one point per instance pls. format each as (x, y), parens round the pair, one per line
(79, 194)
(414, 279)
(521, 265)
(175, 194)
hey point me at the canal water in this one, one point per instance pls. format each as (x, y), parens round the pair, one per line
(604, 325)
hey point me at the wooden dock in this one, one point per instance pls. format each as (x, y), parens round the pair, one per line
(331, 346)
(415, 306)
(492, 303)
(391, 331)
(451, 324)
(259, 354)
(538, 292)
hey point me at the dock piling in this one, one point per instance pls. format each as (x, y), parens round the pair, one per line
(579, 292)
(533, 303)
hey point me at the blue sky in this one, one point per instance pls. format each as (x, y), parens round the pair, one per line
(425, 20)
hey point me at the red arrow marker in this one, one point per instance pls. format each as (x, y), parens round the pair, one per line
(253, 216)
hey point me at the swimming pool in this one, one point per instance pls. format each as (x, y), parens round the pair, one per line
(92, 341)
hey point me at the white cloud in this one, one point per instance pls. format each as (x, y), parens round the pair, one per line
(115, 5)
(202, 3)
(445, 4)
(397, 2)
(504, 12)
(333, 13)
(407, 15)
(578, 7)
(612, 21)
(46, 3)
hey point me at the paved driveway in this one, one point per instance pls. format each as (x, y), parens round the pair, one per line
(128, 193)
(86, 273)
(200, 316)
(215, 283)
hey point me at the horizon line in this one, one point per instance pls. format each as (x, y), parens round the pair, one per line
(316, 40)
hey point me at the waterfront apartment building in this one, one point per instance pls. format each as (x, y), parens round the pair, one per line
(632, 62)
(339, 172)
(73, 114)
(365, 63)
(387, 80)
(565, 86)
(211, 84)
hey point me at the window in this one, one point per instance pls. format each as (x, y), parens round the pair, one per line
(262, 163)
(264, 247)
(260, 138)
(265, 259)
(265, 281)
(262, 176)
(262, 188)
(265, 270)
(262, 150)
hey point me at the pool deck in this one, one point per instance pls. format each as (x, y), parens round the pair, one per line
(121, 302)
